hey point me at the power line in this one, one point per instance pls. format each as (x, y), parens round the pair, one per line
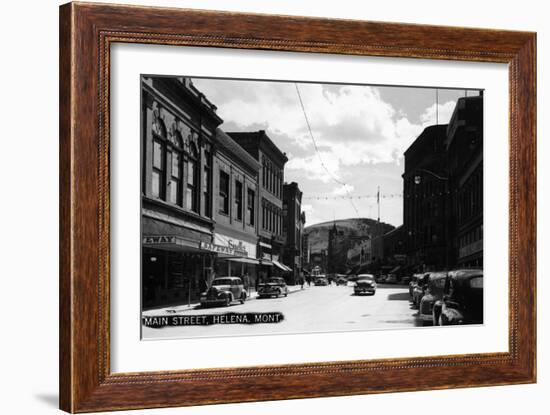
(334, 178)
(364, 196)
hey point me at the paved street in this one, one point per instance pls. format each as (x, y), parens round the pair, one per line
(314, 309)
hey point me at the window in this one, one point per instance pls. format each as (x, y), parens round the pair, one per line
(192, 178)
(207, 184)
(224, 193)
(238, 200)
(250, 207)
(175, 179)
(159, 168)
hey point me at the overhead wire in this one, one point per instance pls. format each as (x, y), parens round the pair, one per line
(332, 176)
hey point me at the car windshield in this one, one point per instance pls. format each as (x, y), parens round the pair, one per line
(365, 278)
(275, 281)
(222, 281)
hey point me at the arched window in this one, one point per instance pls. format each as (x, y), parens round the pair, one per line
(175, 149)
(192, 179)
(158, 175)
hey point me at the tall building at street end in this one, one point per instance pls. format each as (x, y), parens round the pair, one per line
(426, 209)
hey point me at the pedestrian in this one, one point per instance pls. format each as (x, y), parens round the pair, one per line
(302, 279)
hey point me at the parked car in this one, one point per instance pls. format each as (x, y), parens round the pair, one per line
(274, 287)
(413, 283)
(419, 289)
(321, 280)
(462, 301)
(432, 293)
(223, 291)
(341, 280)
(365, 284)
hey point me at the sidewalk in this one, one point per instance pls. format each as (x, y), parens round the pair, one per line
(174, 309)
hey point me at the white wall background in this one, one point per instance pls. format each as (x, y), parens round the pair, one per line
(29, 209)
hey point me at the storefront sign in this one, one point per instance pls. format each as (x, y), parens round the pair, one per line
(221, 249)
(162, 239)
(230, 246)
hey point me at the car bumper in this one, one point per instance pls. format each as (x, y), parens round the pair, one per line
(364, 290)
(212, 301)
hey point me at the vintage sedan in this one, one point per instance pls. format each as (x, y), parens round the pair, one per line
(462, 301)
(320, 280)
(274, 287)
(433, 293)
(365, 284)
(418, 289)
(223, 291)
(341, 280)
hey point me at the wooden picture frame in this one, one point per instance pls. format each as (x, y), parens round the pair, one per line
(86, 33)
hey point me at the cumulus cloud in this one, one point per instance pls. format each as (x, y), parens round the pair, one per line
(445, 111)
(358, 136)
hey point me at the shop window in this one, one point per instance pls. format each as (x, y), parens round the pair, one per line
(224, 193)
(238, 200)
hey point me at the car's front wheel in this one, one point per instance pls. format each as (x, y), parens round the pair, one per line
(228, 301)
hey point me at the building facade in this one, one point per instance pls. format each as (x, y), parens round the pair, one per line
(426, 213)
(177, 132)
(464, 146)
(270, 209)
(293, 230)
(235, 213)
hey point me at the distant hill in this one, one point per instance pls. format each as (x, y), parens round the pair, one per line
(349, 230)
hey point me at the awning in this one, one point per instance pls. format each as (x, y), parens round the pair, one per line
(281, 266)
(266, 262)
(240, 259)
(171, 243)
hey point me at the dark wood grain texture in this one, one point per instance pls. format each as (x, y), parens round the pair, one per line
(86, 33)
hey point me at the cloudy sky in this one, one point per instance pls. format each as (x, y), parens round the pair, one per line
(360, 134)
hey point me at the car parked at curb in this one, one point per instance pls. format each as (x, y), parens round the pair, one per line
(223, 291)
(274, 287)
(365, 284)
(462, 301)
(341, 280)
(320, 280)
(418, 289)
(433, 293)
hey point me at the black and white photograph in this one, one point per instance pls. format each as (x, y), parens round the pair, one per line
(283, 207)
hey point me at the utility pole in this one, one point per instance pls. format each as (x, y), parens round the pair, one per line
(378, 202)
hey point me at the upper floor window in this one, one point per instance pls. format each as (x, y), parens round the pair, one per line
(192, 179)
(224, 193)
(207, 184)
(159, 169)
(250, 207)
(238, 200)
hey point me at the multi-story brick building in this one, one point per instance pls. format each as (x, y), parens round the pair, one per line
(293, 229)
(464, 146)
(270, 213)
(177, 131)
